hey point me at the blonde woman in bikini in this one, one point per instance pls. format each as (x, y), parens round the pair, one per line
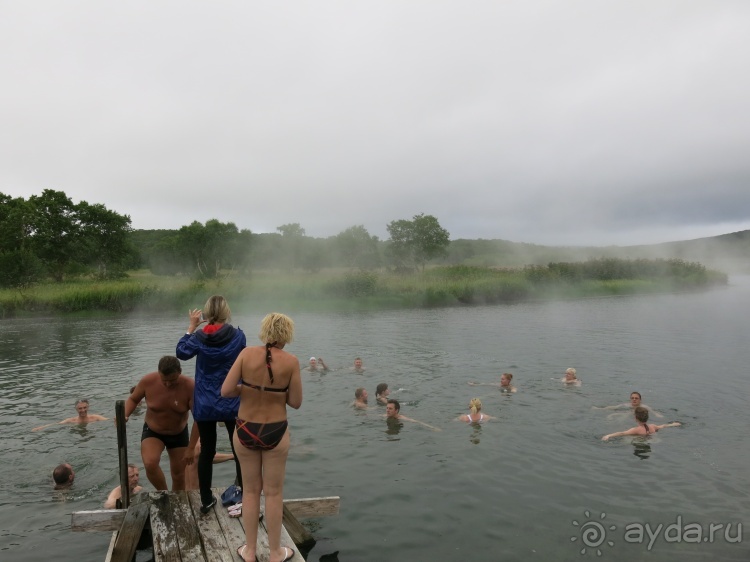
(475, 415)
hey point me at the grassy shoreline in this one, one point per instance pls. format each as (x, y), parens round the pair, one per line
(341, 290)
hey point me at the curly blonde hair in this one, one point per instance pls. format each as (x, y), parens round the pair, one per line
(475, 405)
(276, 328)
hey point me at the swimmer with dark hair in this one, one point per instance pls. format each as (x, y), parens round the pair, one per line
(393, 412)
(643, 428)
(635, 401)
(381, 393)
(504, 383)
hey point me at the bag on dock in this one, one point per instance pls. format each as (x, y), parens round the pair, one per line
(231, 496)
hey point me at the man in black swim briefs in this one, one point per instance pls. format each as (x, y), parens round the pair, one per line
(169, 396)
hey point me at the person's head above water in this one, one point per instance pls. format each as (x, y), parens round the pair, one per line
(635, 399)
(216, 310)
(641, 414)
(382, 389)
(505, 379)
(475, 404)
(133, 476)
(392, 408)
(63, 475)
(276, 328)
(358, 363)
(361, 394)
(82, 407)
(570, 373)
(169, 370)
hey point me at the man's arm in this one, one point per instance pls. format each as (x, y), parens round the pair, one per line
(114, 495)
(615, 407)
(294, 394)
(189, 456)
(230, 387)
(673, 424)
(419, 422)
(139, 392)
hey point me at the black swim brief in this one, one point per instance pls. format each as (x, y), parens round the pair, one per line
(170, 441)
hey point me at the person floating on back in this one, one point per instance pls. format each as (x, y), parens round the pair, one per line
(643, 428)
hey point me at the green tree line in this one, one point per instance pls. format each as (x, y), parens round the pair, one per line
(50, 237)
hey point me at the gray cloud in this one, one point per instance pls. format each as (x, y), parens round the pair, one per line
(591, 123)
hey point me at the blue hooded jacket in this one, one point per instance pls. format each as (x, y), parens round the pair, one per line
(216, 354)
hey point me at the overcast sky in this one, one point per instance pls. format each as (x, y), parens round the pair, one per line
(579, 122)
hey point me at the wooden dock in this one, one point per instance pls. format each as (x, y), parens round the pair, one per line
(181, 533)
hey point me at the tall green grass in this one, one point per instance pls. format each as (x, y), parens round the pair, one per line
(347, 290)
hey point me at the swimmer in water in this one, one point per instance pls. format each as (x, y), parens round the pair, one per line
(317, 365)
(82, 407)
(570, 377)
(381, 393)
(393, 412)
(635, 401)
(360, 399)
(358, 368)
(63, 476)
(504, 384)
(116, 494)
(643, 428)
(474, 415)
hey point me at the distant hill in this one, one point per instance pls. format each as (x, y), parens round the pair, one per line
(727, 252)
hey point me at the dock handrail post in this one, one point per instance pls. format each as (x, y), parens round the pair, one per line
(122, 450)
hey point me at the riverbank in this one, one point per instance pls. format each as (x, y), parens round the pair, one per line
(366, 290)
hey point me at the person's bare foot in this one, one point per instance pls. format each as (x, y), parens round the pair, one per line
(288, 554)
(241, 553)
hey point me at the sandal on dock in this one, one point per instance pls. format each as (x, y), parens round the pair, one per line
(240, 553)
(235, 510)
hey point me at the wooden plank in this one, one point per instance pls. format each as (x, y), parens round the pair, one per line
(313, 507)
(235, 534)
(214, 544)
(166, 548)
(185, 528)
(97, 520)
(130, 533)
(299, 535)
(111, 519)
(285, 539)
(111, 548)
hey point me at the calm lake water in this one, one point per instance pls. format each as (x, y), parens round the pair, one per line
(517, 488)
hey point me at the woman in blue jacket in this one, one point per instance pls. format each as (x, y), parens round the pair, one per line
(216, 346)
